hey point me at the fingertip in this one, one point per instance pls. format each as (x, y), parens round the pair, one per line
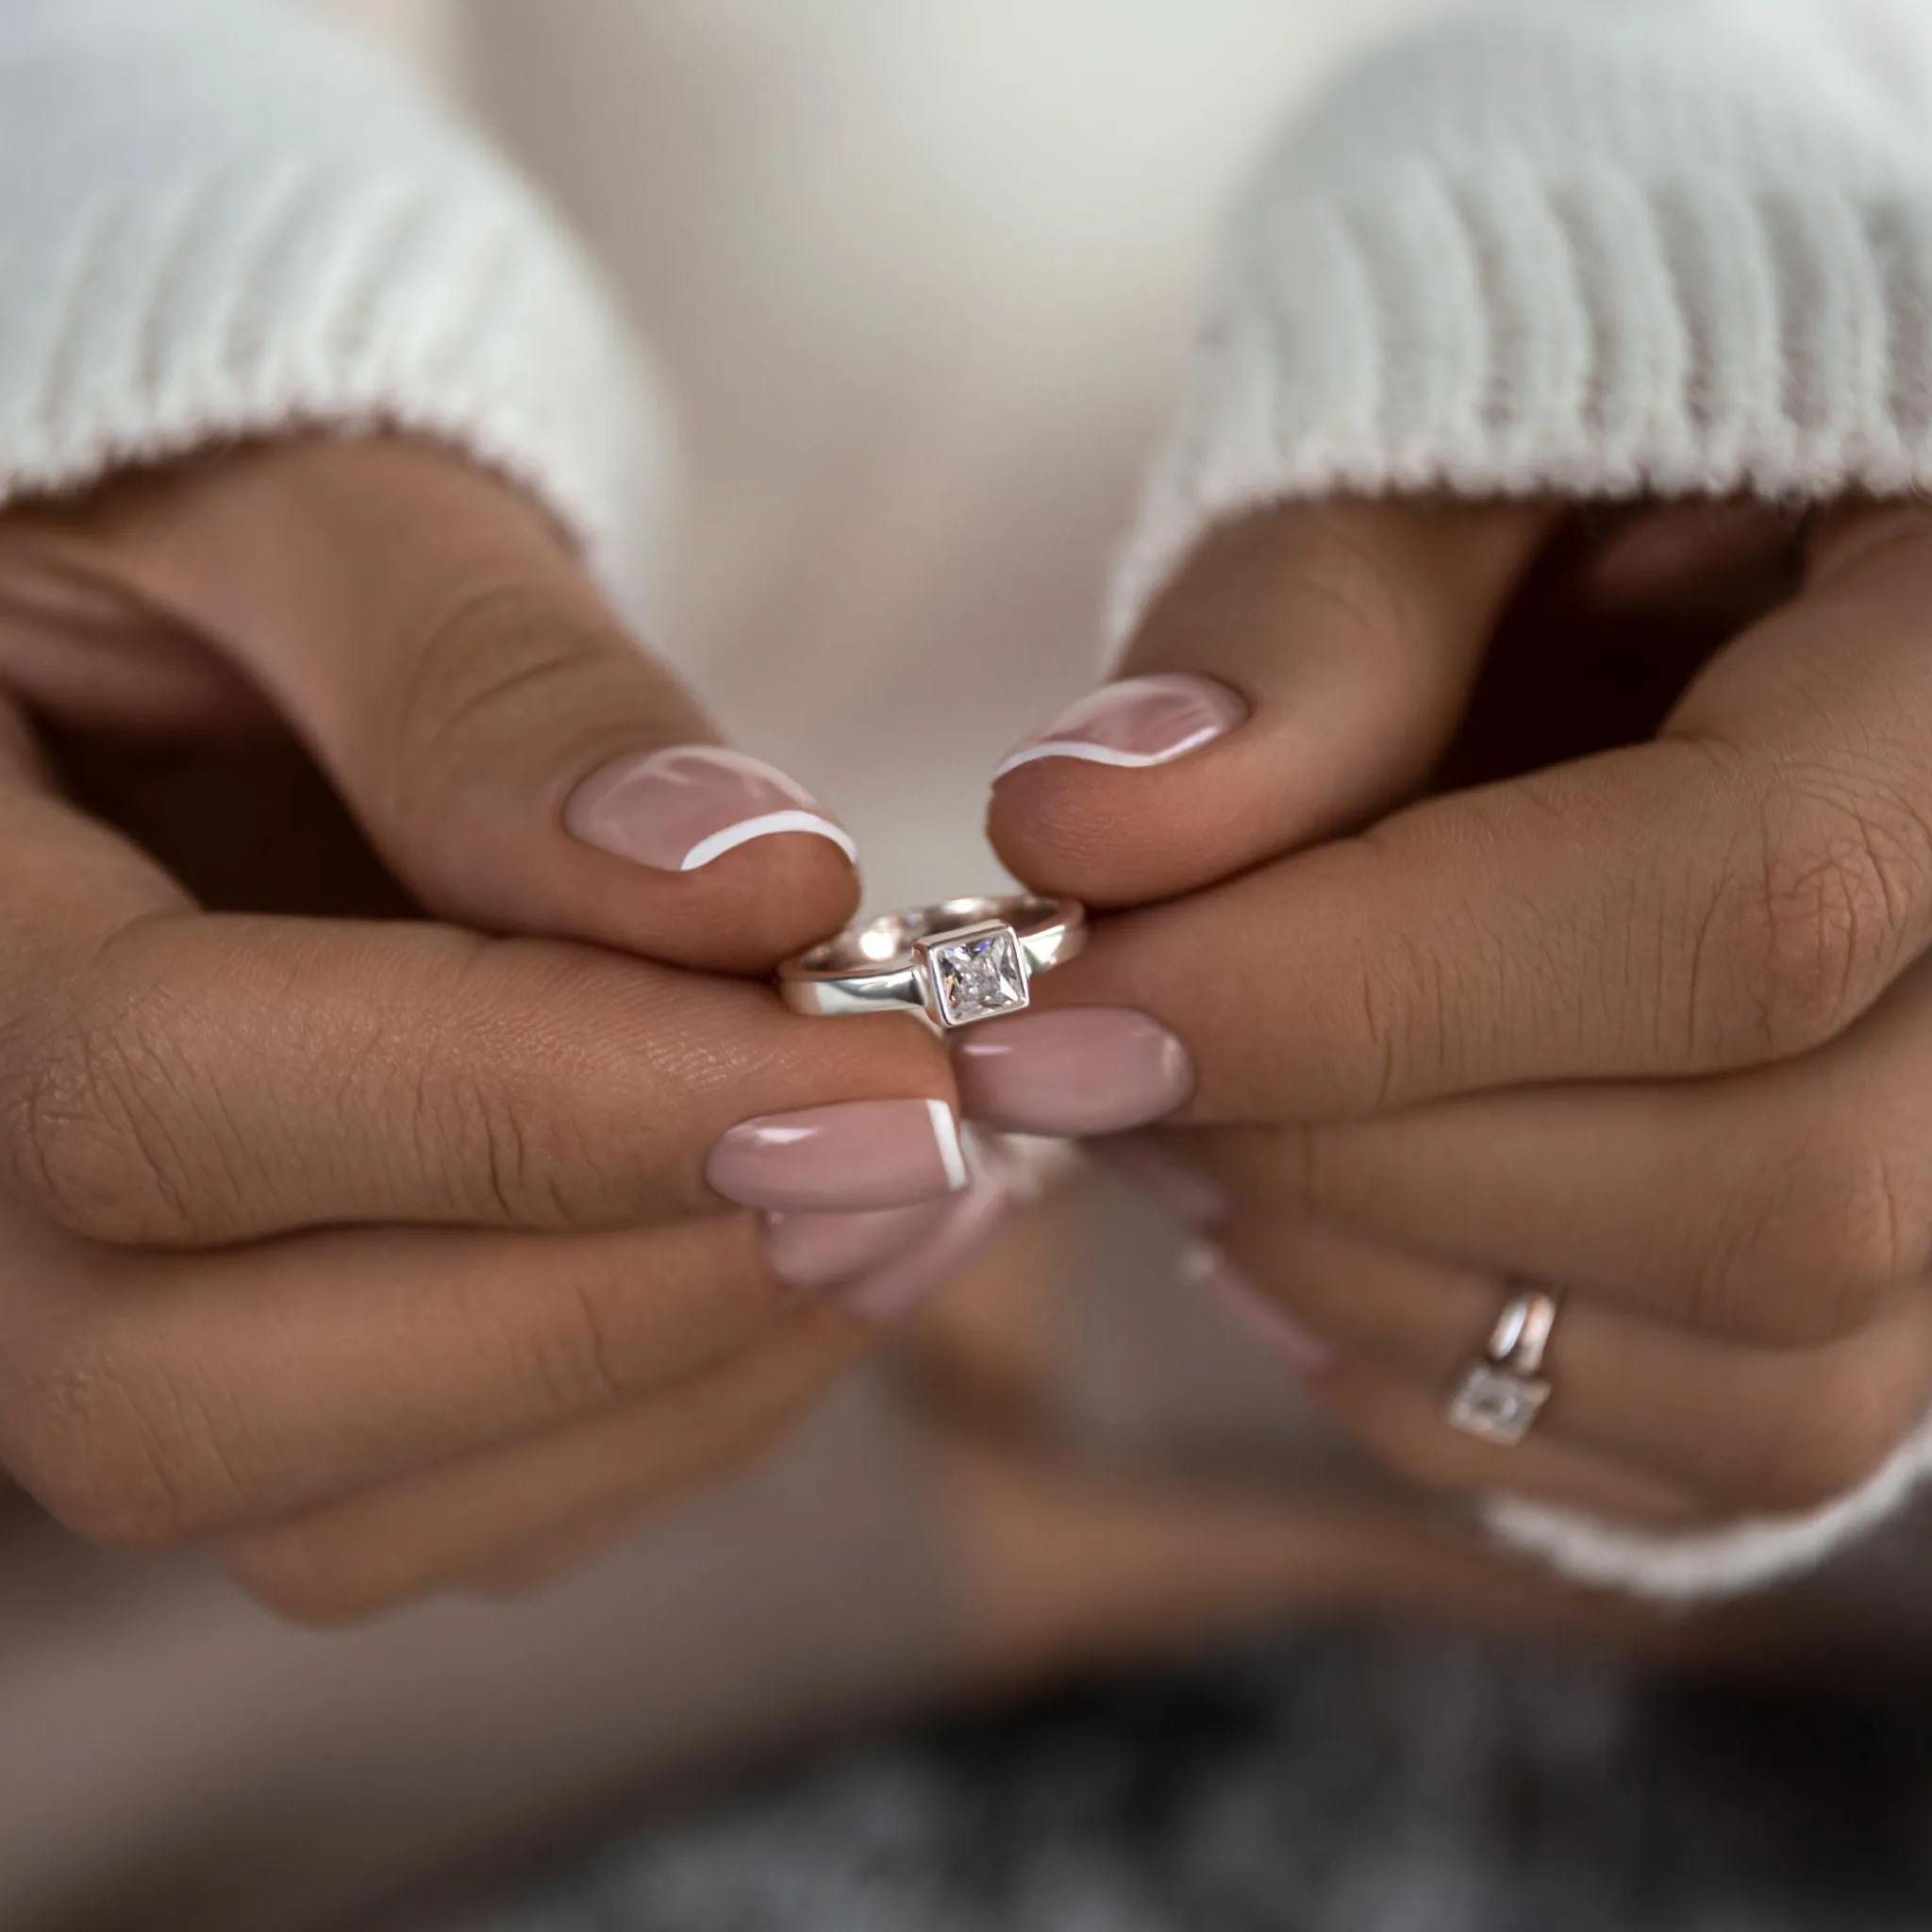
(744, 910)
(1120, 837)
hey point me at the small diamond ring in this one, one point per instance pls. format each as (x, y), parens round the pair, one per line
(959, 962)
(1502, 1390)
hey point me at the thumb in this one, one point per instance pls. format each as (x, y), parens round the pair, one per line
(517, 758)
(1306, 669)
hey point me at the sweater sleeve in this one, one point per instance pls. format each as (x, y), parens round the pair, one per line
(1592, 248)
(222, 219)
(1599, 247)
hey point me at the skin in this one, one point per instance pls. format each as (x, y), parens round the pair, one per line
(1559, 912)
(352, 1114)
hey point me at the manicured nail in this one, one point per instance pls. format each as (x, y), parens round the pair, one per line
(1185, 1192)
(814, 1252)
(828, 1159)
(1205, 1267)
(1079, 1070)
(1140, 721)
(680, 808)
(969, 1226)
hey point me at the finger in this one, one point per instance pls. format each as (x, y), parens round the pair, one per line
(1741, 1428)
(354, 1558)
(1737, 892)
(174, 1078)
(1306, 669)
(299, 1075)
(520, 761)
(1401, 1424)
(1782, 1205)
(1399, 1418)
(149, 1400)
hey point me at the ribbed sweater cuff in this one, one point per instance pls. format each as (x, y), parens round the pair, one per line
(196, 255)
(1598, 248)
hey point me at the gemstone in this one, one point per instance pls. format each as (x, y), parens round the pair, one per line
(978, 974)
(1497, 1406)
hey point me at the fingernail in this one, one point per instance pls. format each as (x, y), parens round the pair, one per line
(812, 1252)
(1081, 1069)
(1205, 1267)
(1137, 722)
(1187, 1193)
(967, 1226)
(680, 808)
(861, 1154)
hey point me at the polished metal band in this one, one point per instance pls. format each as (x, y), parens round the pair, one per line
(1503, 1392)
(957, 961)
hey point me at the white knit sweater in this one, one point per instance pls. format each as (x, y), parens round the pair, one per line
(1596, 247)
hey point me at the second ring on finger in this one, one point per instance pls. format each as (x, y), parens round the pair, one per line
(1749, 1428)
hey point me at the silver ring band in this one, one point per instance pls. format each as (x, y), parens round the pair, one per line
(959, 961)
(1503, 1392)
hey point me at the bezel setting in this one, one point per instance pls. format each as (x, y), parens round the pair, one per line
(955, 967)
(1497, 1405)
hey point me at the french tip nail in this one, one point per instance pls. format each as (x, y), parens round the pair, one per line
(815, 1254)
(731, 837)
(1072, 1072)
(1135, 723)
(1089, 753)
(682, 807)
(845, 1157)
(1207, 1269)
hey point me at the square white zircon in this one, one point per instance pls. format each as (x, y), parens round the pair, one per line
(1497, 1406)
(979, 974)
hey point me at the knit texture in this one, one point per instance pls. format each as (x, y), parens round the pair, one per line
(1596, 248)
(219, 220)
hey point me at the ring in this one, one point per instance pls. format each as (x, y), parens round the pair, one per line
(1503, 1392)
(959, 961)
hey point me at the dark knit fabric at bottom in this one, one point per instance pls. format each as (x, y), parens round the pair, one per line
(1361, 1780)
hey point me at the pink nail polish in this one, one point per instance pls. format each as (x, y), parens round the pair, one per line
(1137, 722)
(814, 1252)
(1205, 1267)
(1188, 1194)
(828, 1159)
(969, 1226)
(680, 808)
(1075, 1071)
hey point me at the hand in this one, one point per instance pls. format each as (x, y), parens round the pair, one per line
(1634, 1005)
(369, 1249)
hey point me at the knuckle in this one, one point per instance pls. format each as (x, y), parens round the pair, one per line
(490, 1126)
(1330, 562)
(1822, 1238)
(1404, 1022)
(305, 1577)
(1315, 561)
(578, 1355)
(1853, 1211)
(1801, 927)
(88, 1135)
(104, 1444)
(477, 671)
(1810, 1454)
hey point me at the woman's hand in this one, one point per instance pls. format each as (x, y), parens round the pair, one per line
(1634, 1005)
(374, 1251)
